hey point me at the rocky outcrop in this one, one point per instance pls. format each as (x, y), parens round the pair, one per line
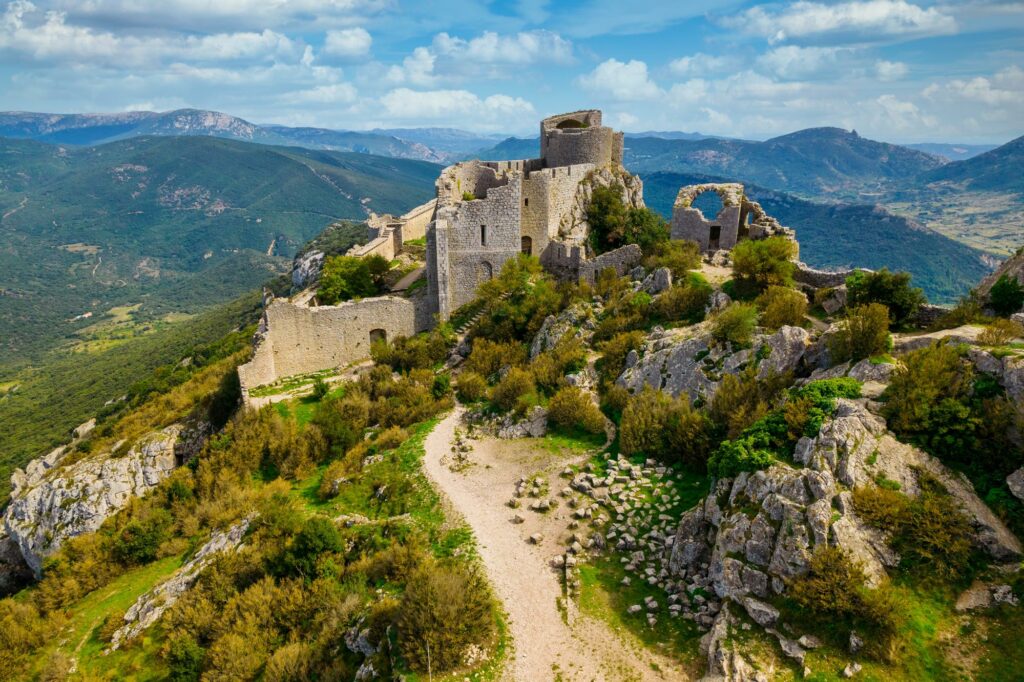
(756, 532)
(1015, 482)
(574, 228)
(576, 320)
(52, 502)
(14, 572)
(694, 365)
(1008, 371)
(148, 608)
(306, 269)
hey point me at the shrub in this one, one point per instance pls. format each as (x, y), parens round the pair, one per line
(334, 475)
(1000, 332)
(391, 438)
(487, 357)
(342, 420)
(734, 456)
(138, 541)
(614, 351)
(686, 302)
(613, 224)
(445, 609)
(741, 399)
(735, 324)
(550, 367)
(678, 255)
(470, 387)
(422, 351)
(761, 263)
(667, 428)
(291, 663)
(1006, 295)
(572, 408)
(863, 333)
(833, 593)
(318, 536)
(346, 277)
(320, 389)
(782, 306)
(516, 302)
(891, 289)
(516, 384)
(184, 659)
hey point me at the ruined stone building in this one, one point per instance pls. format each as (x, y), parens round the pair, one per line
(485, 213)
(489, 211)
(739, 218)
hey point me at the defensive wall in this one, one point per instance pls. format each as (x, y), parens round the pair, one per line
(299, 339)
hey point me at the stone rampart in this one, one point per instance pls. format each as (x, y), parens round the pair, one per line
(548, 196)
(297, 339)
(414, 223)
(820, 279)
(570, 262)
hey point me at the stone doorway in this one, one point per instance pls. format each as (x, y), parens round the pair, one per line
(378, 335)
(527, 246)
(714, 237)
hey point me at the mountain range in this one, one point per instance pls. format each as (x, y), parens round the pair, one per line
(169, 224)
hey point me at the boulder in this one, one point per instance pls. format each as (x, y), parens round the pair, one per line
(554, 329)
(534, 425)
(1015, 482)
(658, 281)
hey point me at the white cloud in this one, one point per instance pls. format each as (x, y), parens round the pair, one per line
(528, 47)
(455, 107)
(622, 81)
(349, 42)
(26, 31)
(899, 116)
(701, 64)
(890, 71)
(792, 61)
(625, 120)
(864, 20)
(416, 69)
(336, 93)
(1004, 88)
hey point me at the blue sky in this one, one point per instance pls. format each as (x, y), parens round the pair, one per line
(897, 70)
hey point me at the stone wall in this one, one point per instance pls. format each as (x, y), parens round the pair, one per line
(820, 279)
(384, 246)
(547, 198)
(298, 339)
(566, 261)
(586, 142)
(689, 222)
(414, 223)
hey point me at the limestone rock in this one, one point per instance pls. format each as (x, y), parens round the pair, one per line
(1015, 481)
(554, 329)
(306, 269)
(677, 363)
(658, 281)
(148, 608)
(574, 227)
(51, 503)
(535, 425)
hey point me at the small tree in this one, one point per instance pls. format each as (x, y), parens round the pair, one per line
(891, 289)
(344, 278)
(782, 306)
(736, 323)
(1001, 332)
(678, 255)
(572, 408)
(1006, 296)
(863, 334)
(761, 263)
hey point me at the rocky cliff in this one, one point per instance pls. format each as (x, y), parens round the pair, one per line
(53, 501)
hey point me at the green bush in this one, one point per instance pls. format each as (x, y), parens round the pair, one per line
(550, 367)
(139, 540)
(670, 429)
(517, 384)
(891, 289)
(487, 357)
(833, 594)
(470, 387)
(445, 609)
(863, 333)
(317, 537)
(782, 306)
(1006, 295)
(516, 302)
(422, 351)
(1000, 332)
(742, 399)
(685, 302)
(184, 659)
(735, 324)
(734, 456)
(613, 224)
(761, 263)
(613, 354)
(346, 277)
(320, 389)
(678, 255)
(571, 408)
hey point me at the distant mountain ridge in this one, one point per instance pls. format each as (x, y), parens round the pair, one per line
(997, 170)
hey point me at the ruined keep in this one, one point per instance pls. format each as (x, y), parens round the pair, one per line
(484, 214)
(489, 211)
(739, 218)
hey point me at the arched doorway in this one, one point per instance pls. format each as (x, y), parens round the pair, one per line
(527, 245)
(570, 123)
(378, 335)
(484, 271)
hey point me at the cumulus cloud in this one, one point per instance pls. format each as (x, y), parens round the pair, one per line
(336, 93)
(792, 61)
(416, 69)
(1005, 87)
(701, 64)
(900, 116)
(349, 42)
(622, 81)
(30, 33)
(861, 20)
(404, 105)
(890, 71)
(528, 47)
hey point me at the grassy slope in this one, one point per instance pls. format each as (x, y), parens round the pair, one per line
(178, 224)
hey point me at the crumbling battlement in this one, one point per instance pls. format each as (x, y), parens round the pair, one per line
(578, 137)
(739, 218)
(386, 234)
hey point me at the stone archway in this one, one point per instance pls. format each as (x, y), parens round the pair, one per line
(484, 272)
(378, 335)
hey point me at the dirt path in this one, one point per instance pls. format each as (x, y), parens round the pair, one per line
(551, 639)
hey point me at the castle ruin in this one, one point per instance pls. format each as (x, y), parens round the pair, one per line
(484, 214)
